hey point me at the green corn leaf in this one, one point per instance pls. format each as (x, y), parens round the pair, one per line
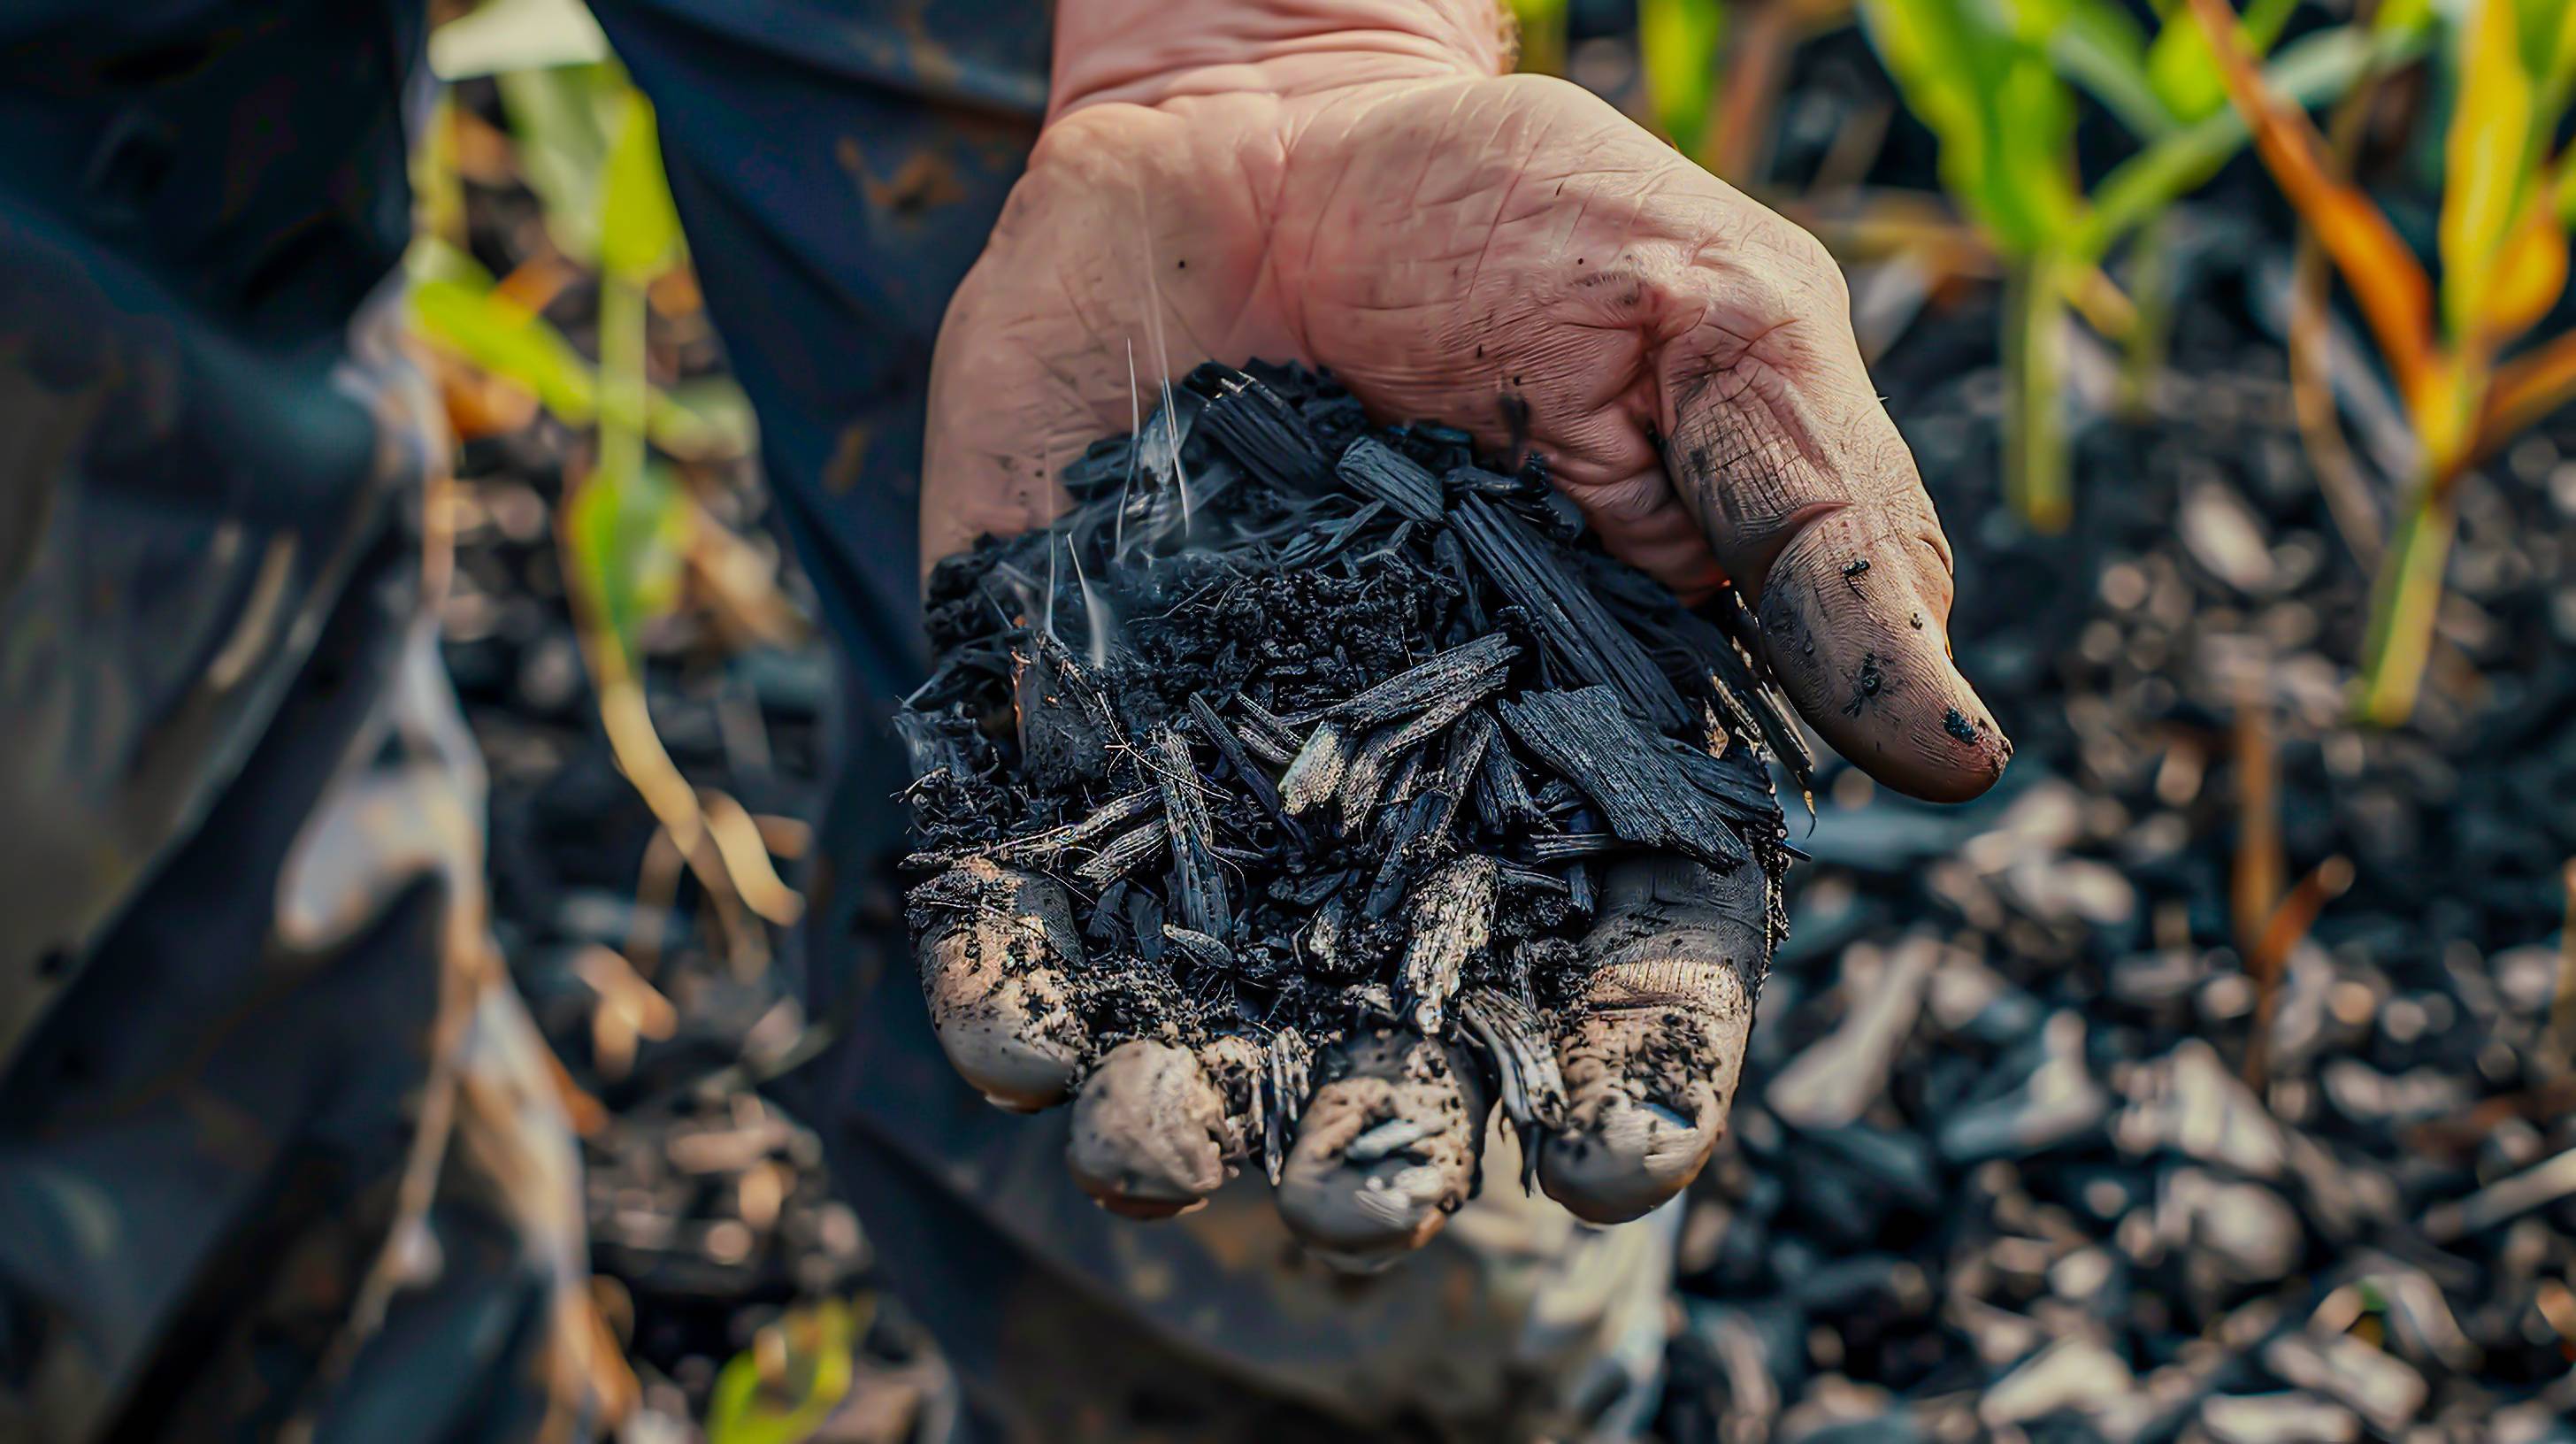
(628, 534)
(453, 304)
(1980, 76)
(1542, 27)
(742, 1410)
(2098, 46)
(2491, 156)
(639, 230)
(1677, 43)
(2309, 71)
(465, 314)
(2403, 15)
(2185, 73)
(561, 120)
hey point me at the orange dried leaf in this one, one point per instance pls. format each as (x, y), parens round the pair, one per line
(2525, 389)
(2395, 294)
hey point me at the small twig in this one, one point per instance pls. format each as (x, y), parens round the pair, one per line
(2255, 886)
(2290, 922)
(2562, 1011)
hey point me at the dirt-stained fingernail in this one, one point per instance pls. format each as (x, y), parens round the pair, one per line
(1854, 621)
(1385, 1152)
(1149, 1132)
(997, 950)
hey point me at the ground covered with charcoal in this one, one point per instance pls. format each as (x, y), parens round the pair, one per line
(1322, 726)
(1996, 1168)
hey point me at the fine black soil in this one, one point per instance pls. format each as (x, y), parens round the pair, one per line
(1323, 725)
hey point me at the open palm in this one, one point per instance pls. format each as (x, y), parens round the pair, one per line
(1511, 256)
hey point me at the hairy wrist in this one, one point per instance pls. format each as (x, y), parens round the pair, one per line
(1148, 51)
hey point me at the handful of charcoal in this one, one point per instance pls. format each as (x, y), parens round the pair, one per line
(1321, 725)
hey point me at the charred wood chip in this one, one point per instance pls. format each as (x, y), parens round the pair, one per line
(1643, 793)
(1516, 1045)
(1052, 843)
(1123, 854)
(1229, 745)
(1452, 920)
(1266, 733)
(1577, 630)
(1462, 675)
(1199, 949)
(1108, 462)
(1307, 891)
(1166, 437)
(1291, 1075)
(1375, 469)
(1324, 934)
(1558, 847)
(1734, 617)
(1401, 789)
(1249, 422)
(1415, 840)
(1198, 885)
(1529, 879)
(1317, 771)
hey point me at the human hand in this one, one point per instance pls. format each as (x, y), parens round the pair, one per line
(1353, 183)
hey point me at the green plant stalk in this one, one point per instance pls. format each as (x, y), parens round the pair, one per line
(624, 389)
(2035, 461)
(2404, 599)
(1542, 31)
(2151, 287)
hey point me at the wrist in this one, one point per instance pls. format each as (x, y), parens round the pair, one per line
(1147, 51)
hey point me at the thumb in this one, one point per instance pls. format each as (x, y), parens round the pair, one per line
(1777, 443)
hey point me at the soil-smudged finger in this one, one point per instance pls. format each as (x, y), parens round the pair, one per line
(1815, 507)
(1386, 1150)
(996, 949)
(1650, 1058)
(1149, 1132)
(1855, 621)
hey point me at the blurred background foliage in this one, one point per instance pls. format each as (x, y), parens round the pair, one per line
(2004, 87)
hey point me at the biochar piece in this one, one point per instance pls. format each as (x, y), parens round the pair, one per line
(1125, 853)
(1524, 1057)
(1647, 796)
(1290, 1077)
(1459, 678)
(1231, 747)
(1197, 887)
(1572, 621)
(1320, 728)
(1453, 917)
(1047, 846)
(1380, 471)
(1315, 776)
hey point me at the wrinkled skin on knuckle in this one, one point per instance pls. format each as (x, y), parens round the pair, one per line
(1413, 1111)
(995, 947)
